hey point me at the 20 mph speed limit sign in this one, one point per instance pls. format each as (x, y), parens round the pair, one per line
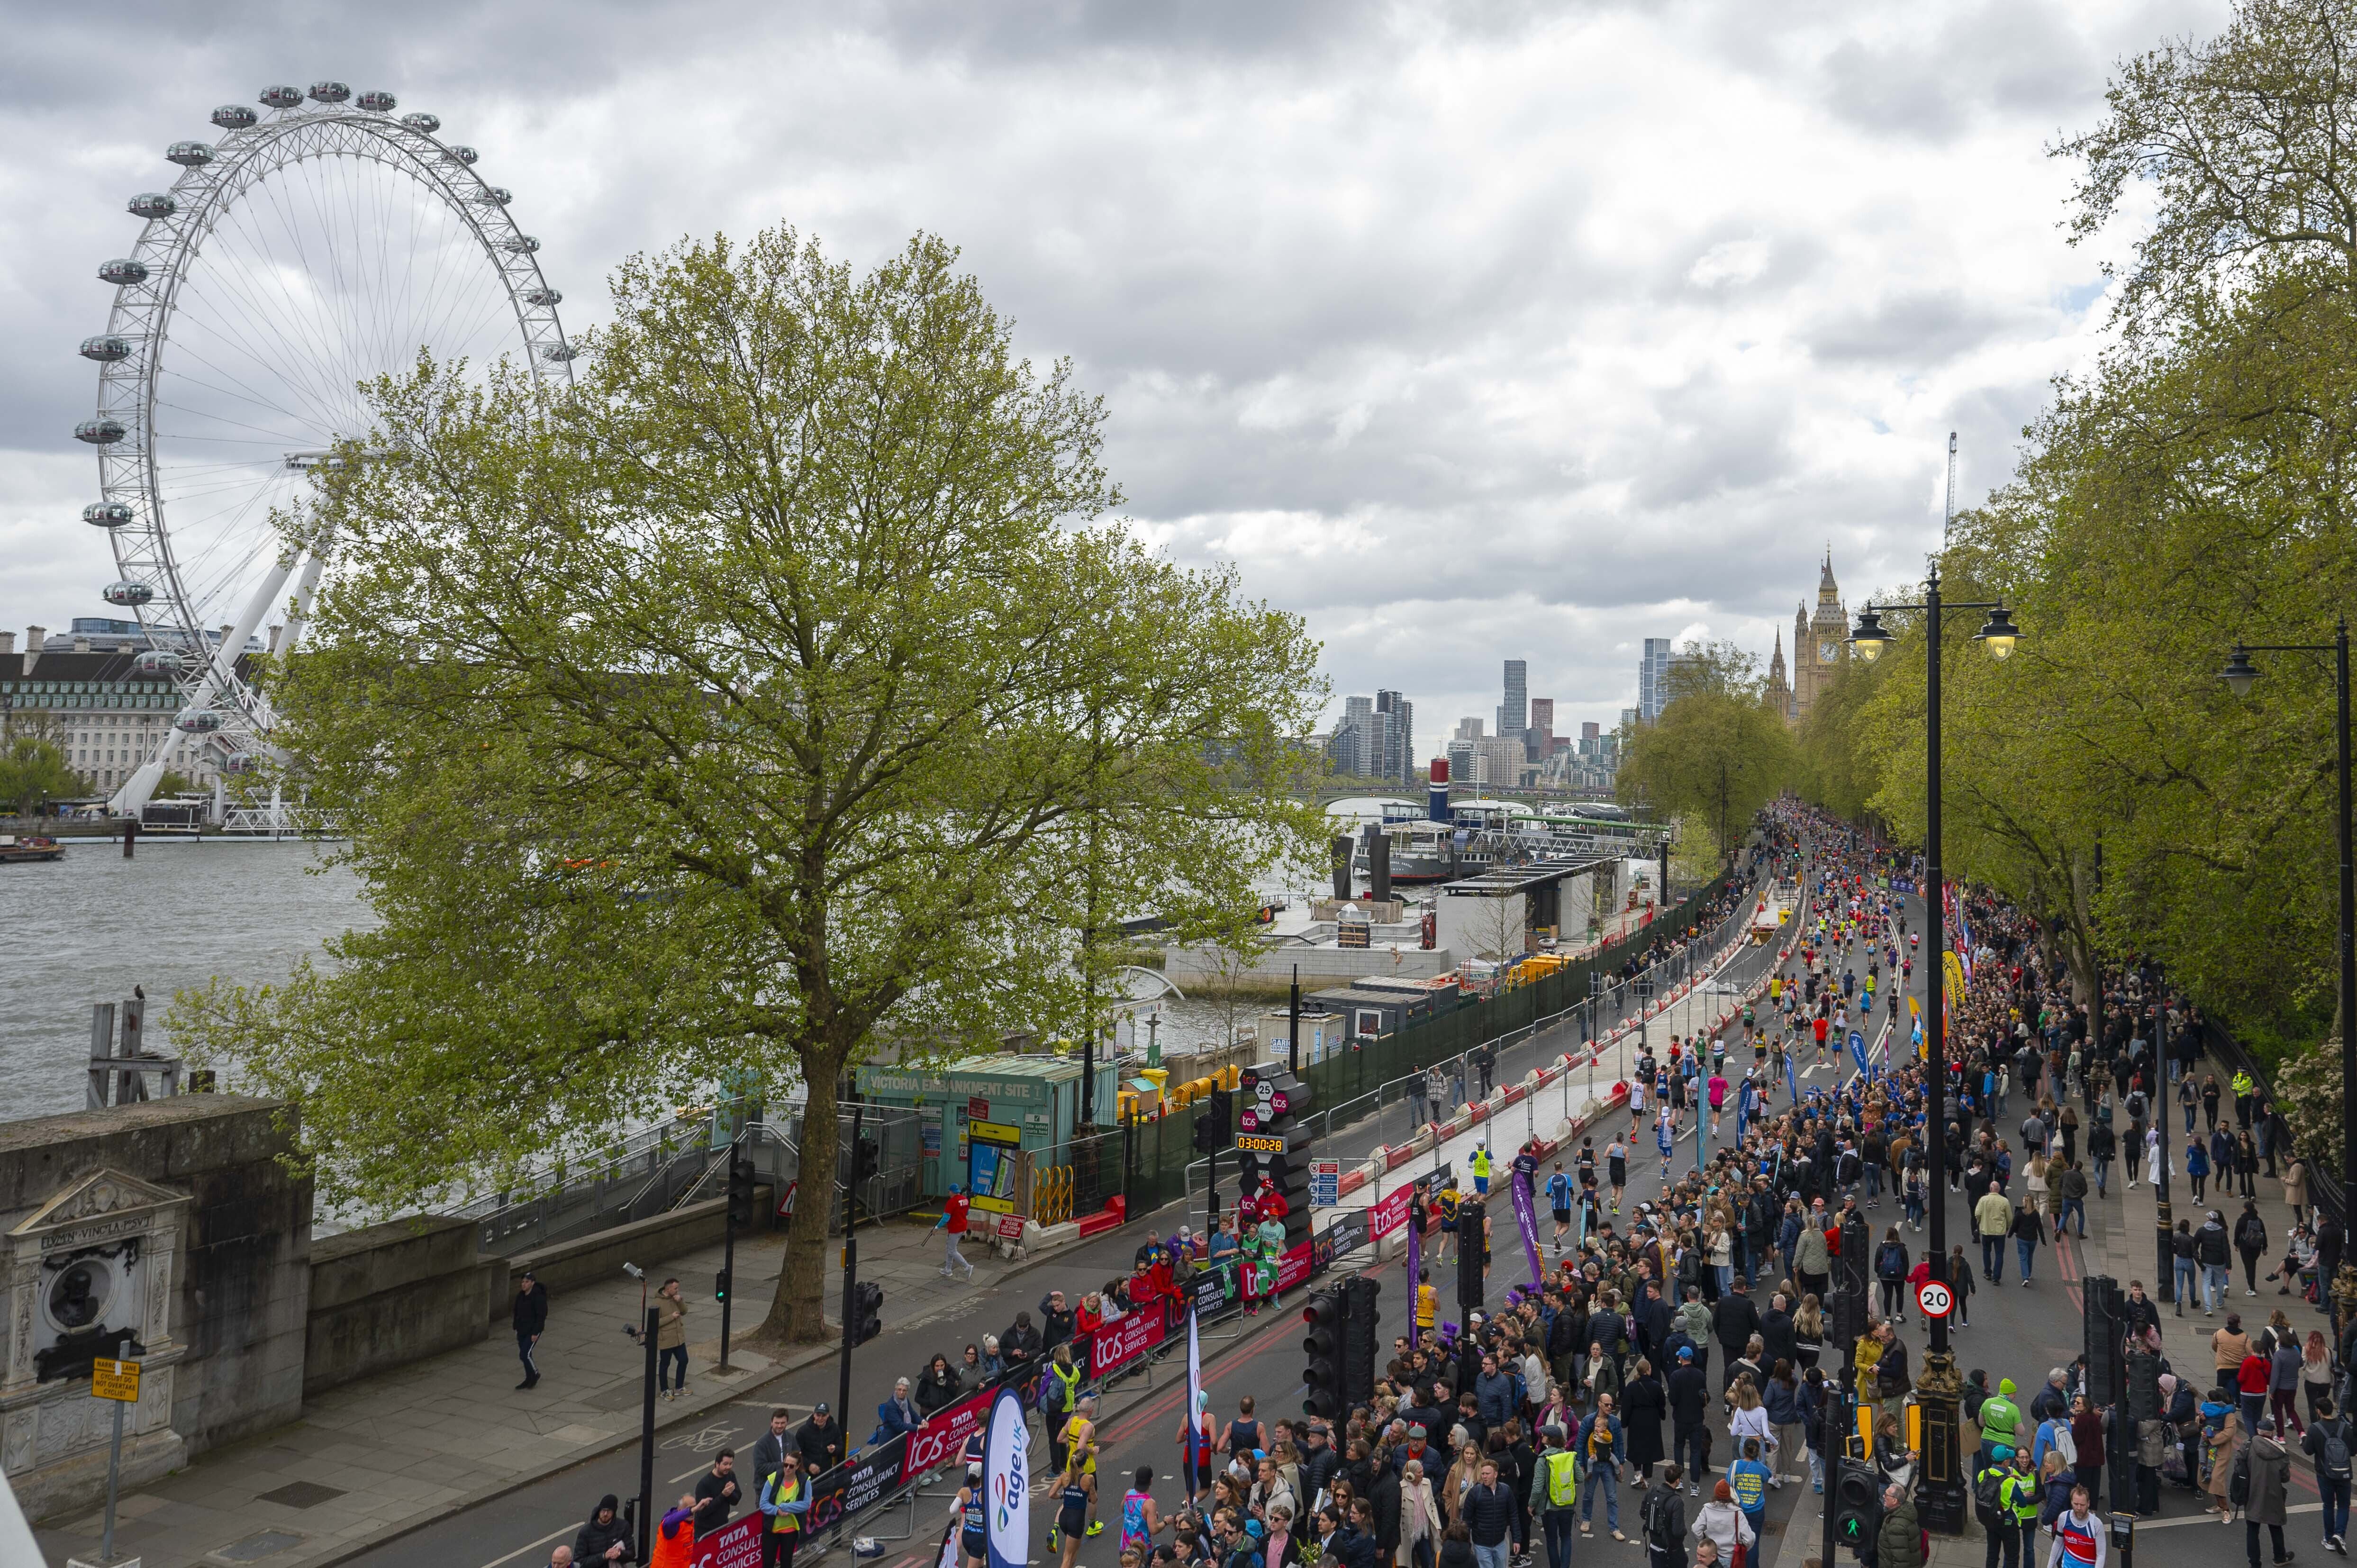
(1936, 1299)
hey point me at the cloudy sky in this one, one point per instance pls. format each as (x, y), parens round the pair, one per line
(1469, 331)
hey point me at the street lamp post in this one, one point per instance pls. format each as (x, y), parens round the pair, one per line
(1939, 1391)
(2338, 1249)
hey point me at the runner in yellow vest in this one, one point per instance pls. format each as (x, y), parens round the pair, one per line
(1080, 1440)
(1481, 1169)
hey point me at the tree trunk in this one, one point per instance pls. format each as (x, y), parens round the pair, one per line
(798, 1314)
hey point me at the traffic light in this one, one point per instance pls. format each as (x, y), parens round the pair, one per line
(1856, 1501)
(1324, 1312)
(1472, 1258)
(742, 1175)
(1361, 1337)
(720, 1286)
(1274, 1144)
(2144, 1386)
(868, 1312)
(2105, 1342)
(867, 1160)
(1215, 1127)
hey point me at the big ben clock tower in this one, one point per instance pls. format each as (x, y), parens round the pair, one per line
(1820, 641)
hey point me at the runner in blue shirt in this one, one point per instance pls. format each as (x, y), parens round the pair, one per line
(1558, 1191)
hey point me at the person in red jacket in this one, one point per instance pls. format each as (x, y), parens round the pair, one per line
(2251, 1382)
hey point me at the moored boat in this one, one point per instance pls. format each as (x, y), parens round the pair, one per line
(30, 846)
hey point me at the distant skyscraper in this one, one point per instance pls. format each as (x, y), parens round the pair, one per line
(1539, 739)
(1468, 729)
(1630, 716)
(1589, 729)
(1398, 759)
(1652, 679)
(1514, 714)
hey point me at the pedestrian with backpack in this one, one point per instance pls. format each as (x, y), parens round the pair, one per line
(2327, 1444)
(1554, 1494)
(1662, 1518)
(1992, 1505)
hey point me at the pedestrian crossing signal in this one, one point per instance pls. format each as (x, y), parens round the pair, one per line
(1854, 1501)
(720, 1286)
(867, 1311)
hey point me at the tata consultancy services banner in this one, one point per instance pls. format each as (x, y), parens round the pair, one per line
(857, 1483)
(737, 1544)
(1125, 1338)
(1390, 1212)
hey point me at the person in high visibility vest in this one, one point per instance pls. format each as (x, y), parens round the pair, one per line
(785, 1499)
(1481, 1169)
(1554, 1494)
(1427, 1302)
(2245, 1088)
(675, 1538)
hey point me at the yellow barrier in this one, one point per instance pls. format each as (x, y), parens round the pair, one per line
(1051, 1195)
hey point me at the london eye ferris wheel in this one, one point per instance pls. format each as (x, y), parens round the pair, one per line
(311, 248)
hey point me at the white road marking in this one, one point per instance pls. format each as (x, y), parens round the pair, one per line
(555, 1534)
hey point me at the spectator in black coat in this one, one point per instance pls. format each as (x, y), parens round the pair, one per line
(530, 1312)
(1776, 1333)
(819, 1442)
(1021, 1344)
(1689, 1403)
(1055, 1321)
(1735, 1319)
(603, 1539)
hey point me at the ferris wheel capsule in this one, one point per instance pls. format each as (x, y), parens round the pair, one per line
(499, 194)
(107, 514)
(158, 661)
(128, 595)
(198, 721)
(122, 271)
(283, 97)
(558, 353)
(424, 124)
(543, 297)
(105, 349)
(153, 204)
(100, 431)
(234, 117)
(377, 103)
(190, 154)
(329, 91)
(460, 153)
(522, 244)
(241, 762)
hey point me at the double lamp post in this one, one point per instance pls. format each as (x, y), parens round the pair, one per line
(1940, 1391)
(2337, 1250)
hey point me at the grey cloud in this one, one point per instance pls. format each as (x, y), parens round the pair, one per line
(1918, 329)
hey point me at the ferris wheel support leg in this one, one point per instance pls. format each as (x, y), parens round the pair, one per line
(224, 667)
(305, 586)
(131, 801)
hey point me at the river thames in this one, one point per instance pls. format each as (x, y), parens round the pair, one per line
(89, 927)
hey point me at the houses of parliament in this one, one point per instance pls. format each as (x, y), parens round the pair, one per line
(1820, 647)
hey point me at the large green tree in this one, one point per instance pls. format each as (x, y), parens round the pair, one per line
(780, 690)
(1717, 753)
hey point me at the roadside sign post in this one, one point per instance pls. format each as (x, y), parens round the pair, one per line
(1936, 1299)
(119, 1381)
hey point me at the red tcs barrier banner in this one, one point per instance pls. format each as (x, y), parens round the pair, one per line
(737, 1544)
(1391, 1213)
(1124, 1340)
(942, 1436)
